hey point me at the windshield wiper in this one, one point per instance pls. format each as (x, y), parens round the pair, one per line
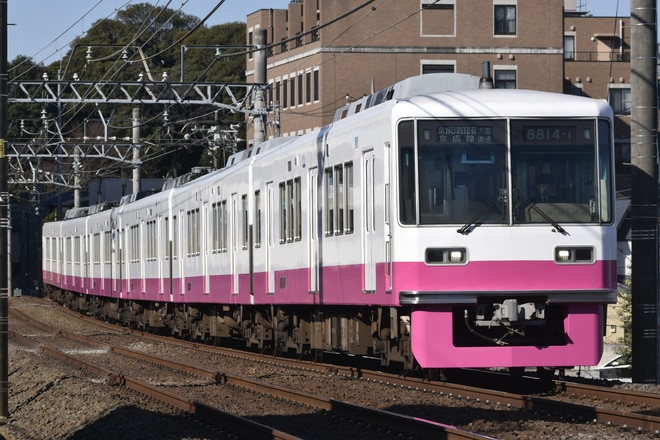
(465, 229)
(547, 218)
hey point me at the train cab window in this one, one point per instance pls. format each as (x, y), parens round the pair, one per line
(452, 172)
(562, 171)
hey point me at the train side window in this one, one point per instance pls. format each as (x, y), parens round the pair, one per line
(134, 251)
(166, 237)
(348, 179)
(329, 201)
(107, 247)
(605, 170)
(215, 228)
(407, 173)
(151, 240)
(257, 219)
(193, 226)
(175, 236)
(290, 211)
(340, 201)
(297, 204)
(96, 248)
(244, 208)
(283, 212)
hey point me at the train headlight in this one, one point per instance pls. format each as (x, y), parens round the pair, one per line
(456, 256)
(581, 254)
(563, 255)
(435, 256)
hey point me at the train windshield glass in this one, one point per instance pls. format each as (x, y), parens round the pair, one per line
(453, 171)
(555, 171)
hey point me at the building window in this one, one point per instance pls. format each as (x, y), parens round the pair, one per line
(308, 87)
(505, 78)
(569, 47)
(285, 93)
(300, 88)
(620, 100)
(293, 91)
(317, 85)
(505, 19)
(438, 68)
(250, 43)
(277, 92)
(438, 18)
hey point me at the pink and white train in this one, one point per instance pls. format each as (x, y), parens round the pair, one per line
(464, 227)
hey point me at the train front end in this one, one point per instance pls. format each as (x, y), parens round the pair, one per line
(505, 244)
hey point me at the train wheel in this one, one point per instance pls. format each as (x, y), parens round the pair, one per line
(546, 374)
(433, 374)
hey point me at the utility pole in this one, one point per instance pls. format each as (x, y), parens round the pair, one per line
(644, 206)
(4, 222)
(259, 78)
(137, 149)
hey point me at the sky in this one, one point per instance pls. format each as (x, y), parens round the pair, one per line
(44, 29)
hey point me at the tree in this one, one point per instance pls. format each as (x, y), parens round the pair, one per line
(144, 39)
(625, 313)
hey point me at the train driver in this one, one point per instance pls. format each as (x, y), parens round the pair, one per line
(543, 189)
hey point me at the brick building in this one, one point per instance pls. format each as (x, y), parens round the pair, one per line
(323, 53)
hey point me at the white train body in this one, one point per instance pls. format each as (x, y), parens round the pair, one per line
(408, 225)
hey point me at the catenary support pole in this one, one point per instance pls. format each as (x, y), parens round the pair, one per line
(644, 206)
(4, 221)
(260, 78)
(137, 149)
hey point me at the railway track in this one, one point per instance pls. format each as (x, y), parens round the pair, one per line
(77, 349)
(580, 405)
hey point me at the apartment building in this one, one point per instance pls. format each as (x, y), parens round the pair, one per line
(324, 53)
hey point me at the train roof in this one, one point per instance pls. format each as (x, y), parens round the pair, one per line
(504, 103)
(413, 86)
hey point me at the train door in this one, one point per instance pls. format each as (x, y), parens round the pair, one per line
(180, 251)
(314, 257)
(269, 215)
(204, 246)
(369, 225)
(234, 216)
(161, 244)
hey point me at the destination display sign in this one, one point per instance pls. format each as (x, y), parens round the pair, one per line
(553, 132)
(462, 132)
